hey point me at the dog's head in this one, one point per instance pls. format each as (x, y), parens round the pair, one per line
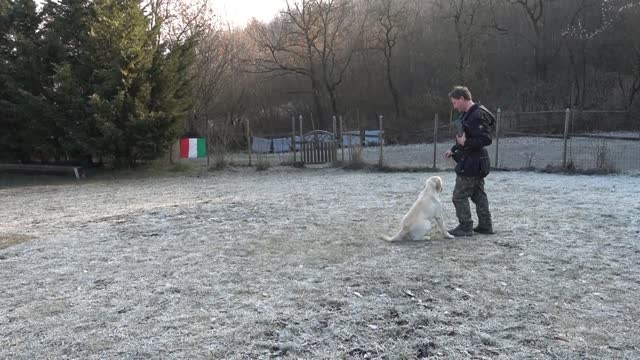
(434, 184)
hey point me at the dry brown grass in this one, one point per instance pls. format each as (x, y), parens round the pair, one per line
(8, 240)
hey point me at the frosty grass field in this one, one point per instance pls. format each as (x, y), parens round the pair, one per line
(289, 263)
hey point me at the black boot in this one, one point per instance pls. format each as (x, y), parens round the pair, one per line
(484, 227)
(464, 229)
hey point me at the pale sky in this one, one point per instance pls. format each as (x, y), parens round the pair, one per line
(239, 12)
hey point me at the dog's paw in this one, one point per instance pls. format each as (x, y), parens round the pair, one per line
(449, 236)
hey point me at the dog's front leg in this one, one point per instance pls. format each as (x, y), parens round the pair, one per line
(443, 229)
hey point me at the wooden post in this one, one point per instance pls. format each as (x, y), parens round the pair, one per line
(207, 141)
(341, 140)
(171, 152)
(293, 137)
(567, 115)
(497, 136)
(350, 142)
(301, 141)
(334, 125)
(361, 127)
(334, 158)
(334, 151)
(435, 139)
(381, 140)
(249, 140)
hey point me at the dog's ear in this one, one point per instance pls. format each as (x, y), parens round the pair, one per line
(434, 183)
(438, 183)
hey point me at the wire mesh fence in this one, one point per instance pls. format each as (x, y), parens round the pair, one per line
(564, 139)
(592, 140)
(586, 140)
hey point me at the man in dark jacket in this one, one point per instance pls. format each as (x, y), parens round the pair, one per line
(472, 162)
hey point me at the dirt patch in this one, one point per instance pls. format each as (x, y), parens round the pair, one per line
(7, 240)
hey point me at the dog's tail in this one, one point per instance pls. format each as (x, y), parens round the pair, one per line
(387, 238)
(396, 237)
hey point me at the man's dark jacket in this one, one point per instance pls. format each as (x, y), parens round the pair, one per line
(473, 159)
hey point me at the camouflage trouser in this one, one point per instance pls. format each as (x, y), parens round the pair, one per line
(471, 187)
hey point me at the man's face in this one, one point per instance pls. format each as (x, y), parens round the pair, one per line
(458, 104)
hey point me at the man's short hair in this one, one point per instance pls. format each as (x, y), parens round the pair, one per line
(460, 92)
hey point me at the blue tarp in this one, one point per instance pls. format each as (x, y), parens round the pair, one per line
(281, 145)
(350, 138)
(261, 145)
(278, 145)
(371, 137)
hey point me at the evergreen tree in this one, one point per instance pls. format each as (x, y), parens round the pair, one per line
(171, 91)
(21, 104)
(7, 106)
(122, 54)
(141, 87)
(89, 78)
(67, 74)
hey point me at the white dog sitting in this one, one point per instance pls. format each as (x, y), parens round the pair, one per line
(425, 212)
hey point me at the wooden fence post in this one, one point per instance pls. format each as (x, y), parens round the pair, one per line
(381, 140)
(249, 140)
(302, 157)
(341, 140)
(435, 139)
(567, 115)
(293, 137)
(498, 120)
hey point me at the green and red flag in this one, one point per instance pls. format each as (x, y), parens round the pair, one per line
(192, 148)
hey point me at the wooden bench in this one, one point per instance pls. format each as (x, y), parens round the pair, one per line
(77, 171)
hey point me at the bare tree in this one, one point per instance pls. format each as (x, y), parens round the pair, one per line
(628, 28)
(178, 19)
(464, 15)
(544, 49)
(595, 22)
(286, 46)
(220, 84)
(338, 29)
(577, 39)
(389, 15)
(304, 61)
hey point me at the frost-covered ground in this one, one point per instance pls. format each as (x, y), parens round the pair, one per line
(288, 263)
